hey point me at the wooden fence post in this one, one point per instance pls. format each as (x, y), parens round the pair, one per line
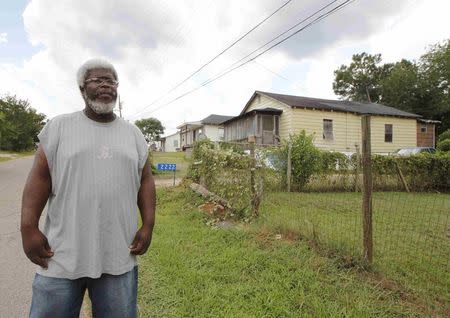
(255, 200)
(402, 178)
(367, 189)
(357, 167)
(289, 167)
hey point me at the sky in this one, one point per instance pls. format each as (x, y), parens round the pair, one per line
(155, 45)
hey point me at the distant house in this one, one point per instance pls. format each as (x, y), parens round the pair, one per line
(210, 127)
(426, 132)
(170, 143)
(269, 118)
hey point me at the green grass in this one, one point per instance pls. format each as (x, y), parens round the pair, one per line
(411, 233)
(170, 157)
(15, 155)
(193, 270)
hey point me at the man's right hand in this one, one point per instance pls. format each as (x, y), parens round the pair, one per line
(35, 246)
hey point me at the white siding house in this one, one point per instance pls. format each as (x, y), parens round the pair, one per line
(171, 143)
(208, 128)
(335, 124)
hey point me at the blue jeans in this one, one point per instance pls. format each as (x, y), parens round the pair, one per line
(111, 296)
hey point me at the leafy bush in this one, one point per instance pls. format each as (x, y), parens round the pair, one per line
(444, 145)
(305, 158)
(445, 135)
(423, 172)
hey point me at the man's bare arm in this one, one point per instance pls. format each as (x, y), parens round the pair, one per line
(147, 205)
(35, 195)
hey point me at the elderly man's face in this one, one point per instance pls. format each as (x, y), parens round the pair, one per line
(101, 93)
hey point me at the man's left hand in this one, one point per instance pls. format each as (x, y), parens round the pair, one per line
(141, 241)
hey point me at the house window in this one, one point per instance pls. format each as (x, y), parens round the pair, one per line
(388, 132)
(221, 133)
(328, 129)
(175, 143)
(267, 122)
(423, 128)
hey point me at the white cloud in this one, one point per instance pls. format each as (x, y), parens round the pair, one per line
(155, 44)
(3, 37)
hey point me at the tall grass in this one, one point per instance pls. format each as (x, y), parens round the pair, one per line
(193, 270)
(411, 232)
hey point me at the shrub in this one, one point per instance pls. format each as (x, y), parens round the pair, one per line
(225, 171)
(423, 172)
(444, 136)
(444, 145)
(305, 158)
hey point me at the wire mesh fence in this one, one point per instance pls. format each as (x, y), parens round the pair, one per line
(410, 206)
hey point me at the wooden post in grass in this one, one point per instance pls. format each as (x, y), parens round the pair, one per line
(254, 204)
(402, 178)
(367, 189)
(289, 167)
(357, 167)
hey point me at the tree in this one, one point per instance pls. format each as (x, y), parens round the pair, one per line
(20, 124)
(435, 74)
(361, 80)
(400, 87)
(421, 87)
(151, 128)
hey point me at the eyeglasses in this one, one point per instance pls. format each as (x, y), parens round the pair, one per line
(100, 81)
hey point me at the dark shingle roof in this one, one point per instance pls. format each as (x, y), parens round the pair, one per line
(338, 105)
(215, 119)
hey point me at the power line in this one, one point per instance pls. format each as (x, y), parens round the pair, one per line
(283, 33)
(225, 72)
(273, 72)
(215, 57)
(279, 75)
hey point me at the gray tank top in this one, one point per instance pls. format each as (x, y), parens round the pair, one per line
(92, 211)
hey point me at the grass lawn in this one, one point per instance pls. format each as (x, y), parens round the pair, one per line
(10, 155)
(193, 270)
(170, 157)
(411, 233)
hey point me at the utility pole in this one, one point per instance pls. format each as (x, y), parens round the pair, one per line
(120, 107)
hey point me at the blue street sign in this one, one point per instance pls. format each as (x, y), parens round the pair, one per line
(167, 166)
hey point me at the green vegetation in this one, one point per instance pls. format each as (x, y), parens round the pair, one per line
(193, 270)
(444, 141)
(10, 155)
(179, 158)
(151, 128)
(19, 124)
(410, 233)
(421, 87)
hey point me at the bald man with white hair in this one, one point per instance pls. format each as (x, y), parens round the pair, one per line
(92, 169)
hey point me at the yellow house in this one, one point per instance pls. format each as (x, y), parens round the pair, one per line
(336, 125)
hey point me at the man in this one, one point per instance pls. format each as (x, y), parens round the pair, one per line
(92, 168)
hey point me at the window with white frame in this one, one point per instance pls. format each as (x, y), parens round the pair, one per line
(328, 129)
(175, 143)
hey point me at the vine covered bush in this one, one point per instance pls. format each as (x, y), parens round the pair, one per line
(224, 170)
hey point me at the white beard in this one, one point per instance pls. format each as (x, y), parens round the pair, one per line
(98, 107)
(101, 108)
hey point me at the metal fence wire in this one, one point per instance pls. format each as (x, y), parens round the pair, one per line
(409, 200)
